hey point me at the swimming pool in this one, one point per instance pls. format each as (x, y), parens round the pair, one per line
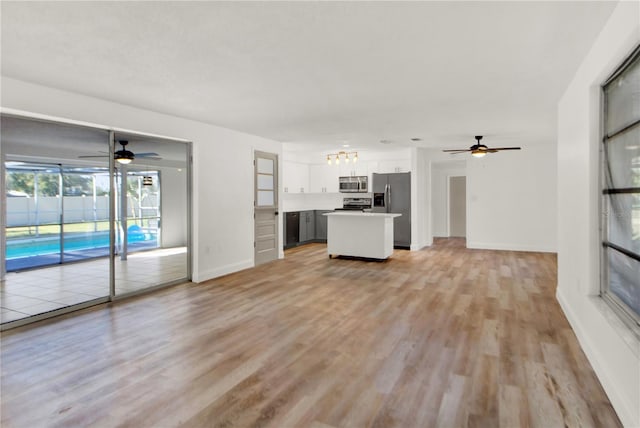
(26, 253)
(72, 242)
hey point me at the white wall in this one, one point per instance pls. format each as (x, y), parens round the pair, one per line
(420, 199)
(222, 168)
(611, 348)
(511, 200)
(314, 201)
(440, 173)
(511, 197)
(174, 207)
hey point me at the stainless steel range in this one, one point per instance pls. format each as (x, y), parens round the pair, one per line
(358, 204)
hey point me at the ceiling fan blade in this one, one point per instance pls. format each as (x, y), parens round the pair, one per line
(457, 150)
(96, 156)
(149, 157)
(505, 148)
(146, 155)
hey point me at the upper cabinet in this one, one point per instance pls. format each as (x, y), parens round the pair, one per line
(295, 177)
(299, 177)
(353, 169)
(395, 165)
(323, 178)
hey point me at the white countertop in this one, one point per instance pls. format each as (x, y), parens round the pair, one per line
(361, 214)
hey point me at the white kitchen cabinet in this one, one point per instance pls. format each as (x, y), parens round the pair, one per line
(357, 234)
(295, 177)
(353, 169)
(394, 165)
(323, 178)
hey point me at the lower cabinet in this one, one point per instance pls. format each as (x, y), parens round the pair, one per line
(321, 225)
(301, 227)
(307, 226)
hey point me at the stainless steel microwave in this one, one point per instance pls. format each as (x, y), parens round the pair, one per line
(357, 184)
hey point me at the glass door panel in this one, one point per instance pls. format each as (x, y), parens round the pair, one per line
(154, 250)
(143, 210)
(49, 172)
(86, 213)
(33, 215)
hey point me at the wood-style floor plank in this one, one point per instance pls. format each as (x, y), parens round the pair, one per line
(445, 337)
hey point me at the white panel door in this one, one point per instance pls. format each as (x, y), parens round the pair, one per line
(266, 207)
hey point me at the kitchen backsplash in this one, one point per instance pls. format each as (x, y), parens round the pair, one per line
(311, 201)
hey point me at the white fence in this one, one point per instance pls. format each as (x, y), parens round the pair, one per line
(23, 211)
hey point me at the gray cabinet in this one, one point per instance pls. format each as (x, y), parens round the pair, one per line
(301, 227)
(307, 226)
(321, 224)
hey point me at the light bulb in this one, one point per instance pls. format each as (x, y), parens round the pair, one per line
(337, 160)
(355, 158)
(329, 160)
(478, 153)
(346, 159)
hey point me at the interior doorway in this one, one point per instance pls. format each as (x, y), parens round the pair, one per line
(458, 207)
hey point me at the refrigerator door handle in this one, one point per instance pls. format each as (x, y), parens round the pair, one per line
(387, 199)
(389, 206)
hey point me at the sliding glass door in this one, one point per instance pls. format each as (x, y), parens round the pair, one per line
(80, 227)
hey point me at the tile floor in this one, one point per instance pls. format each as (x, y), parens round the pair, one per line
(27, 293)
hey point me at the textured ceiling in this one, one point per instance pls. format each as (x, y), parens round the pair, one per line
(317, 73)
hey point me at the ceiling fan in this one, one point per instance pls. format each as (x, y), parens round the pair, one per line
(125, 156)
(479, 150)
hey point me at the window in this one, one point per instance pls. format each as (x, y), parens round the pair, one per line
(621, 190)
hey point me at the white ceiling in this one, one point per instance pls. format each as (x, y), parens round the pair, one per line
(317, 73)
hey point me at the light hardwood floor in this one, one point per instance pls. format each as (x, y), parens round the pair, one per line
(441, 337)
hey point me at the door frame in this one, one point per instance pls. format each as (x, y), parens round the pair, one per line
(276, 202)
(448, 218)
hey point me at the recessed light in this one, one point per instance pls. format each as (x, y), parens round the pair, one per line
(386, 141)
(345, 145)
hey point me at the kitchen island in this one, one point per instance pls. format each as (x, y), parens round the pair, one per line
(360, 234)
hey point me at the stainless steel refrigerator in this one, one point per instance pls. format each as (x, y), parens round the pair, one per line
(392, 194)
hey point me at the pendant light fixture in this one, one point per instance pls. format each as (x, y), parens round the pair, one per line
(348, 156)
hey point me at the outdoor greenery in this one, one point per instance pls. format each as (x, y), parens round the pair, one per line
(49, 185)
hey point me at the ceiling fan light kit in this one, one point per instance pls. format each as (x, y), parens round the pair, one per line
(123, 156)
(480, 150)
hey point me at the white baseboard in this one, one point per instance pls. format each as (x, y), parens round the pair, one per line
(618, 401)
(509, 247)
(223, 270)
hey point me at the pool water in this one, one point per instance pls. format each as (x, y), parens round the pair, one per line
(72, 242)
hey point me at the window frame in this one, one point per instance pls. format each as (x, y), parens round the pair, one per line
(626, 313)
